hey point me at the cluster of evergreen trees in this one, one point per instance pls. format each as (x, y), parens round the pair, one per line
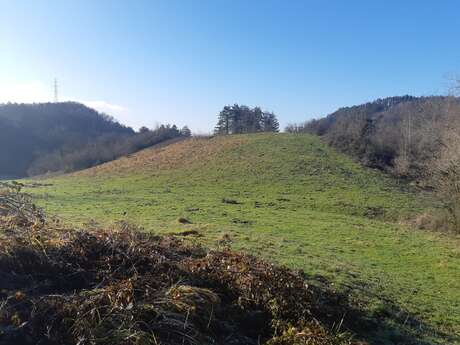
(238, 119)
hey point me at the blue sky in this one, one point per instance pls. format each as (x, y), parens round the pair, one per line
(148, 62)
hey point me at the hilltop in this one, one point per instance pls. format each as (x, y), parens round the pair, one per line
(291, 199)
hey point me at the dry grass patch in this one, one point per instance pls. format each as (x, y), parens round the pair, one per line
(180, 154)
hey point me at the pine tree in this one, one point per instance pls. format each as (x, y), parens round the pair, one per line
(236, 119)
(223, 123)
(186, 132)
(257, 120)
(270, 122)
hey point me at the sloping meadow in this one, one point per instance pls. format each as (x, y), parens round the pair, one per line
(292, 200)
(122, 286)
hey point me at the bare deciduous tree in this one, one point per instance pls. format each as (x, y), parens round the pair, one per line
(444, 168)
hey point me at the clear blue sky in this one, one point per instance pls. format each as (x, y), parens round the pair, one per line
(148, 62)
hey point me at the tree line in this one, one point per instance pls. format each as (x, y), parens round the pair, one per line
(240, 119)
(48, 137)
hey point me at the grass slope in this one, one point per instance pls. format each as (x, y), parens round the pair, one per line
(293, 200)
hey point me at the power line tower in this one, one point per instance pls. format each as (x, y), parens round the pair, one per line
(55, 91)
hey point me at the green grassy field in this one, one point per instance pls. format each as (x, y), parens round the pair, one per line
(292, 200)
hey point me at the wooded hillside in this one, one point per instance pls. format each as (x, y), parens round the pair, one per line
(414, 138)
(398, 134)
(39, 138)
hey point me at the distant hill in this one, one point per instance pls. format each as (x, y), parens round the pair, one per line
(37, 138)
(398, 134)
(30, 130)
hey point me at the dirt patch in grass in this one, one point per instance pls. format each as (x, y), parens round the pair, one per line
(183, 220)
(231, 201)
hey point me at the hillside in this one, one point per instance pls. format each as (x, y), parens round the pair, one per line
(28, 131)
(402, 135)
(294, 200)
(37, 139)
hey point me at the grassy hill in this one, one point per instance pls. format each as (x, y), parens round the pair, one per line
(291, 199)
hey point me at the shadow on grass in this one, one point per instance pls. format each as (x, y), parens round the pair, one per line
(389, 325)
